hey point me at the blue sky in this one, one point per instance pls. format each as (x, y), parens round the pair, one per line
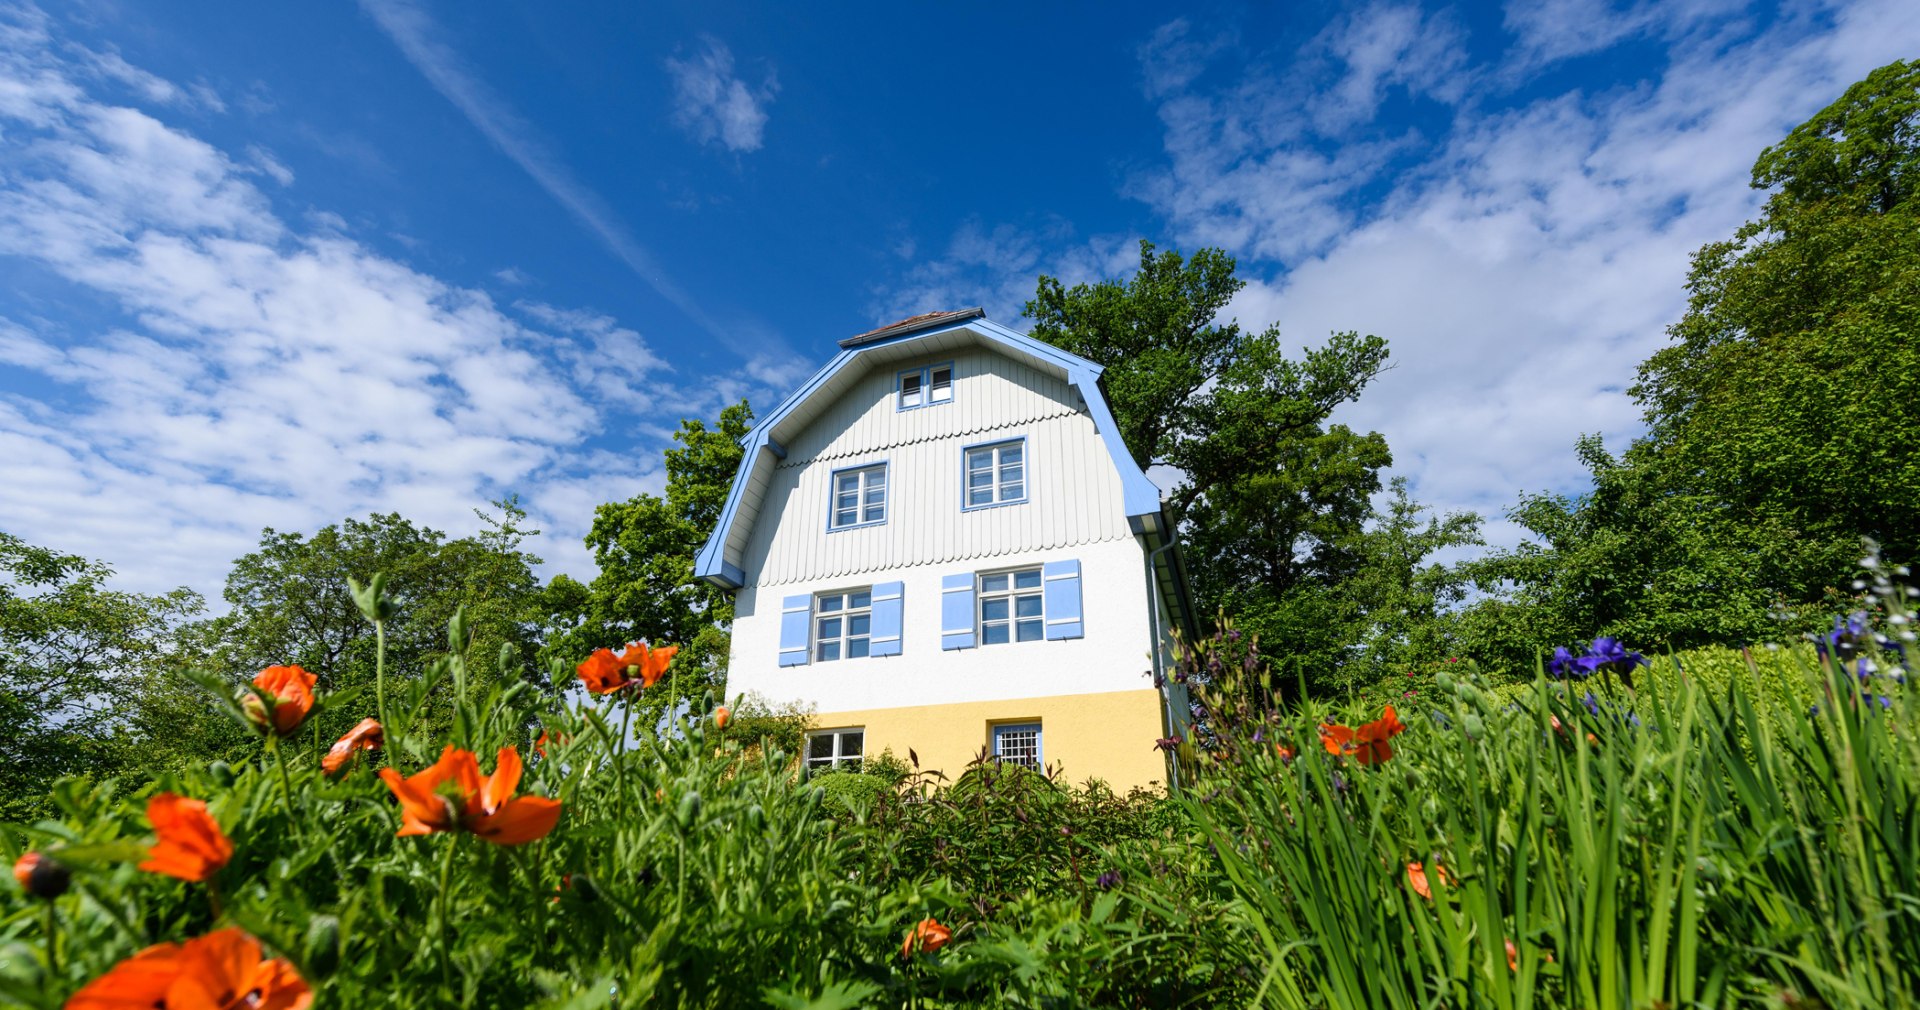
(275, 264)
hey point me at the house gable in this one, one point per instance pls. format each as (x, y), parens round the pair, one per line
(847, 408)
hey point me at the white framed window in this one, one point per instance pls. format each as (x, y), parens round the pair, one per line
(859, 497)
(1012, 607)
(923, 387)
(1018, 744)
(996, 474)
(828, 749)
(842, 625)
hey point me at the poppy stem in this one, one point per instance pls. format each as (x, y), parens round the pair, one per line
(440, 935)
(53, 941)
(286, 783)
(380, 687)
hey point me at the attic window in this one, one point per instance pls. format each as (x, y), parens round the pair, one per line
(924, 387)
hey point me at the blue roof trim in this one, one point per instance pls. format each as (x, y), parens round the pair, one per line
(1139, 495)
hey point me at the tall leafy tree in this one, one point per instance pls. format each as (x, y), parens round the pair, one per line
(290, 603)
(1780, 418)
(645, 548)
(1273, 502)
(73, 654)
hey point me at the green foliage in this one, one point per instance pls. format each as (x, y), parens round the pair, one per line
(1678, 845)
(1274, 504)
(291, 603)
(69, 649)
(645, 549)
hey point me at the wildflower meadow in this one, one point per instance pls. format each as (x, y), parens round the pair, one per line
(1623, 830)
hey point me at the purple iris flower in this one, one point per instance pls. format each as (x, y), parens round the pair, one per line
(1564, 665)
(1607, 654)
(1108, 880)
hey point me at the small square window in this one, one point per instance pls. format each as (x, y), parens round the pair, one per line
(996, 474)
(1012, 607)
(1018, 744)
(842, 625)
(859, 497)
(923, 387)
(836, 748)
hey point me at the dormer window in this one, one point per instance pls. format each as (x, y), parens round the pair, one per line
(924, 387)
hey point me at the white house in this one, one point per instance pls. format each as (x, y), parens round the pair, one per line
(939, 542)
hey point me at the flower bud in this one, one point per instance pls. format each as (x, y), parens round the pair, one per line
(721, 716)
(689, 808)
(42, 876)
(221, 773)
(323, 945)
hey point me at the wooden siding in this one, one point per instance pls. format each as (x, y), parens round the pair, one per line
(1074, 493)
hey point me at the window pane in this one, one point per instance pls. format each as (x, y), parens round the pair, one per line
(910, 382)
(859, 624)
(1023, 606)
(980, 497)
(876, 496)
(876, 477)
(829, 651)
(820, 746)
(1012, 492)
(829, 604)
(875, 513)
(860, 600)
(852, 744)
(1010, 453)
(1029, 579)
(847, 481)
(993, 583)
(829, 627)
(1029, 631)
(843, 519)
(995, 634)
(979, 459)
(856, 648)
(942, 377)
(993, 609)
(980, 478)
(1012, 474)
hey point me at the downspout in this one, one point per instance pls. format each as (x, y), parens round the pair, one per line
(1168, 721)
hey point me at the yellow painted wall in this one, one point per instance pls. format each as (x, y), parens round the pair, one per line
(1105, 736)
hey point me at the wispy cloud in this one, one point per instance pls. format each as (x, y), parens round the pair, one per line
(414, 32)
(259, 371)
(712, 104)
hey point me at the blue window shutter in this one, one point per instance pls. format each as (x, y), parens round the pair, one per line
(795, 613)
(1063, 599)
(887, 612)
(956, 611)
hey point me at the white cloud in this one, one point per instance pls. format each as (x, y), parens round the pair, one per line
(1523, 265)
(713, 105)
(1386, 45)
(263, 373)
(998, 268)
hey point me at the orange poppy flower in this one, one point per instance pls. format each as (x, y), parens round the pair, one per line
(1513, 956)
(926, 937)
(1285, 752)
(1368, 744)
(220, 970)
(1417, 878)
(291, 689)
(721, 716)
(367, 735)
(191, 845)
(603, 672)
(453, 795)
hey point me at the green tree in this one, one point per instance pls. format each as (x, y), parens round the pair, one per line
(72, 653)
(1780, 418)
(1273, 503)
(645, 548)
(290, 603)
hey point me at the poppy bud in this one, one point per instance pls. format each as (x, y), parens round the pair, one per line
(689, 809)
(42, 876)
(372, 598)
(584, 886)
(221, 773)
(323, 945)
(1475, 728)
(721, 716)
(457, 629)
